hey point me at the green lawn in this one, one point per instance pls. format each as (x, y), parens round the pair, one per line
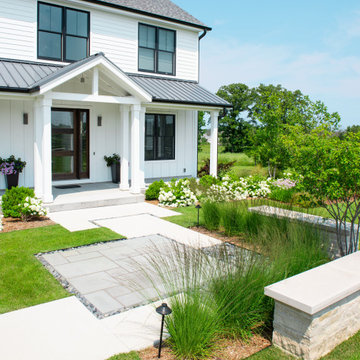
(348, 350)
(244, 165)
(24, 281)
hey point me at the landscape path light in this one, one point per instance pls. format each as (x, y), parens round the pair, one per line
(163, 310)
(198, 207)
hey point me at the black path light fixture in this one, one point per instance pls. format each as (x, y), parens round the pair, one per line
(198, 207)
(163, 310)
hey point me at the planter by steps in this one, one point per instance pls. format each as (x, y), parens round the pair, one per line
(12, 180)
(115, 173)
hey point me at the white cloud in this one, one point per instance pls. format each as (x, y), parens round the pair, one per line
(322, 75)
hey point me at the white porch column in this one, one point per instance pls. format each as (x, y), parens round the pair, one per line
(42, 150)
(38, 134)
(125, 135)
(214, 143)
(142, 148)
(135, 149)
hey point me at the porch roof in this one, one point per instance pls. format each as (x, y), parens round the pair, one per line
(30, 77)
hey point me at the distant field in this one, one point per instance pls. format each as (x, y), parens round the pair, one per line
(244, 165)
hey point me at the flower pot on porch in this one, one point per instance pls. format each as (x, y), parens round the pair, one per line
(115, 172)
(12, 180)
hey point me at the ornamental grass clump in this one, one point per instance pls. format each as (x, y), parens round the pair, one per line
(218, 291)
(212, 215)
(193, 325)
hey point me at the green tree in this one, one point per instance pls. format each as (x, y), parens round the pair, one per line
(330, 171)
(201, 128)
(276, 110)
(234, 129)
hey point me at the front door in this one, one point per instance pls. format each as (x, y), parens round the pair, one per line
(70, 143)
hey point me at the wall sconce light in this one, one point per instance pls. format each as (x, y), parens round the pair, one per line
(82, 79)
(25, 118)
(99, 120)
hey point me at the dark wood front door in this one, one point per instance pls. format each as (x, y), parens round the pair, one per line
(70, 143)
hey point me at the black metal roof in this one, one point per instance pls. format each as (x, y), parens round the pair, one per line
(177, 91)
(164, 9)
(28, 76)
(17, 75)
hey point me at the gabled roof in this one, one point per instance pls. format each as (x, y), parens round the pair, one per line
(30, 77)
(163, 9)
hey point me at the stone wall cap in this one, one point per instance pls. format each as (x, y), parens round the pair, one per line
(318, 288)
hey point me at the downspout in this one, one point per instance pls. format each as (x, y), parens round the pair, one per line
(200, 37)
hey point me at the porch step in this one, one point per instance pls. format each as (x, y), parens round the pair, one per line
(76, 204)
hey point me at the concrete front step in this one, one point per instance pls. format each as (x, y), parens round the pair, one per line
(76, 204)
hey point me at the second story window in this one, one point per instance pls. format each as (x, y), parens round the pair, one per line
(156, 50)
(63, 33)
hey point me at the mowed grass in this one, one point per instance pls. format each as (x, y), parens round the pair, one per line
(24, 281)
(348, 350)
(244, 165)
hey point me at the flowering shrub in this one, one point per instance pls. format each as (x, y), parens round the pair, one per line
(7, 168)
(31, 207)
(284, 183)
(187, 192)
(177, 193)
(240, 189)
(11, 165)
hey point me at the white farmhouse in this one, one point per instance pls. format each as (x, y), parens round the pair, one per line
(80, 79)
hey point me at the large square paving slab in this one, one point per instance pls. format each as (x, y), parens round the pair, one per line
(111, 277)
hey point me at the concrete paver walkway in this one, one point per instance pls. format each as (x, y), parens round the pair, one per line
(112, 276)
(65, 329)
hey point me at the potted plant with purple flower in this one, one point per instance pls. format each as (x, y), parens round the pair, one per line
(11, 168)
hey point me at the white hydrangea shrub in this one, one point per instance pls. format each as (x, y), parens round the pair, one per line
(32, 207)
(177, 193)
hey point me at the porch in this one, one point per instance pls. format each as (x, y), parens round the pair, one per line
(91, 195)
(65, 123)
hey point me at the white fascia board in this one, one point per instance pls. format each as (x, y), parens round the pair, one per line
(157, 105)
(125, 81)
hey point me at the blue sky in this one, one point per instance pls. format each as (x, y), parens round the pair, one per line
(313, 46)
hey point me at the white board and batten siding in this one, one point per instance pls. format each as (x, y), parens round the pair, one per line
(115, 34)
(16, 138)
(185, 162)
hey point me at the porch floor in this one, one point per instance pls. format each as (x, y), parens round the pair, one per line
(91, 195)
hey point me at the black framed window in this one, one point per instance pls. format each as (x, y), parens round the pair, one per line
(159, 137)
(156, 49)
(63, 33)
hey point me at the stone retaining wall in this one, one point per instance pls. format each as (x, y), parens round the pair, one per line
(317, 310)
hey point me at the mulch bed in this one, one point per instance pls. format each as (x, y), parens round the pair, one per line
(13, 224)
(228, 349)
